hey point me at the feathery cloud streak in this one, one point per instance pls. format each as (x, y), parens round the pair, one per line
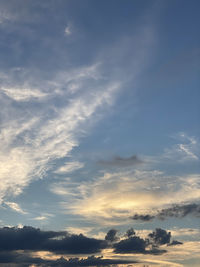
(39, 130)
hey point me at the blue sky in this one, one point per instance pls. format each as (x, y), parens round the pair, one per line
(100, 120)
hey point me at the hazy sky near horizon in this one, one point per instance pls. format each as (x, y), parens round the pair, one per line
(99, 120)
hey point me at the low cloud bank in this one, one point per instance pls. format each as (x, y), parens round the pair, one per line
(16, 245)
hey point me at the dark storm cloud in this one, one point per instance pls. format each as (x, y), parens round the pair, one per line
(111, 235)
(29, 238)
(176, 211)
(118, 161)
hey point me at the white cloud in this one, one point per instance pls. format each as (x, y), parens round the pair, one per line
(186, 150)
(22, 94)
(70, 167)
(68, 30)
(33, 136)
(40, 218)
(14, 206)
(114, 197)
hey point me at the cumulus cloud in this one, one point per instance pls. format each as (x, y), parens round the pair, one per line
(111, 235)
(130, 232)
(160, 237)
(150, 245)
(29, 238)
(131, 245)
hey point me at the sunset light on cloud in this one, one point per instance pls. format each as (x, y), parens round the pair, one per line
(99, 133)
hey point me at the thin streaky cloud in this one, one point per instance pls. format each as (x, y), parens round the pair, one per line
(16, 207)
(31, 146)
(69, 167)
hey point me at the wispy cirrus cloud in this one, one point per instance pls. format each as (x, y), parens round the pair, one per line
(70, 167)
(33, 136)
(16, 207)
(22, 94)
(187, 149)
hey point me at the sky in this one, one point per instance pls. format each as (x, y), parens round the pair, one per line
(99, 133)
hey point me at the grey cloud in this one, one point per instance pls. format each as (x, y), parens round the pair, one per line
(15, 240)
(180, 211)
(150, 245)
(29, 238)
(23, 259)
(174, 243)
(118, 161)
(111, 235)
(130, 232)
(130, 245)
(142, 217)
(160, 237)
(176, 211)
(90, 261)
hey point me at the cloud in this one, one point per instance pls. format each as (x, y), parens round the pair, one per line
(34, 137)
(26, 259)
(23, 94)
(176, 211)
(120, 162)
(130, 232)
(31, 245)
(180, 211)
(68, 30)
(111, 235)
(142, 217)
(175, 242)
(160, 237)
(135, 244)
(113, 196)
(29, 238)
(131, 245)
(186, 150)
(14, 206)
(40, 218)
(70, 167)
